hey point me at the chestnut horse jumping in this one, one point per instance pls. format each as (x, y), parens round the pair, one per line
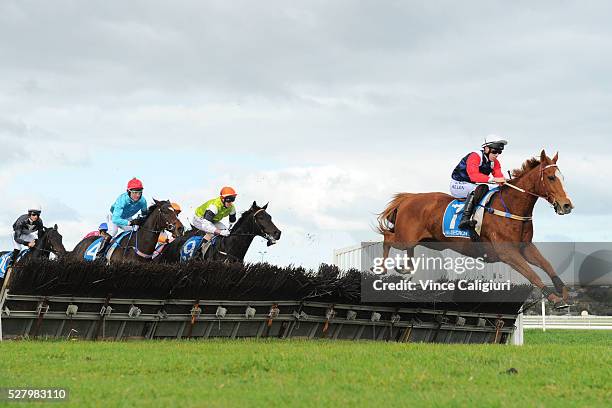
(415, 219)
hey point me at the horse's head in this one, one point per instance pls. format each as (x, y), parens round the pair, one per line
(263, 221)
(168, 218)
(51, 241)
(551, 185)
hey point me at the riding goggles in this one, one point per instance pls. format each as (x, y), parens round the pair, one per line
(229, 199)
(496, 151)
(36, 213)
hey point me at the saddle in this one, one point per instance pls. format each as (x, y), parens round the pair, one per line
(454, 212)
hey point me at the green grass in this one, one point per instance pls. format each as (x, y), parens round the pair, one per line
(569, 337)
(556, 368)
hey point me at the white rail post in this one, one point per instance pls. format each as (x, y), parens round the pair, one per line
(543, 315)
(517, 336)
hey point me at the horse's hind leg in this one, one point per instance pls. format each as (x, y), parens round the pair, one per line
(534, 257)
(406, 267)
(386, 249)
(401, 267)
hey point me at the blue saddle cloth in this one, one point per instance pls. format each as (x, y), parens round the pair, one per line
(454, 213)
(191, 247)
(6, 258)
(194, 244)
(94, 247)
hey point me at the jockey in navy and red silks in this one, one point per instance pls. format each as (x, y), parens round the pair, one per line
(476, 168)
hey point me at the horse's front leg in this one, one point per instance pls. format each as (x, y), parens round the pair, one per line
(533, 256)
(513, 258)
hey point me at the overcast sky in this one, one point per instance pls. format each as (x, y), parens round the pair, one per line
(324, 109)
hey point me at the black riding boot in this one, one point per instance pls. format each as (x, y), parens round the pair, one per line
(468, 209)
(467, 223)
(14, 256)
(103, 247)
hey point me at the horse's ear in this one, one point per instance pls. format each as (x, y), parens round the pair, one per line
(254, 204)
(543, 157)
(265, 206)
(155, 201)
(554, 159)
(55, 227)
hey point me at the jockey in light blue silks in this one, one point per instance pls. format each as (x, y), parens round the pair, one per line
(125, 207)
(471, 175)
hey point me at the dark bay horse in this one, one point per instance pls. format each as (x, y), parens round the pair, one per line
(50, 242)
(417, 219)
(253, 222)
(140, 243)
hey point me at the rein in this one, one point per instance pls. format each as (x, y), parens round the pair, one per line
(135, 246)
(541, 179)
(507, 213)
(50, 251)
(249, 234)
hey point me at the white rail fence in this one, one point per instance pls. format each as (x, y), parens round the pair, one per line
(568, 322)
(558, 322)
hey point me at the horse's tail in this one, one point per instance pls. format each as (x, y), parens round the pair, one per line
(386, 219)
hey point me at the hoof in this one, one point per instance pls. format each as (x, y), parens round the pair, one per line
(565, 294)
(405, 271)
(553, 298)
(378, 273)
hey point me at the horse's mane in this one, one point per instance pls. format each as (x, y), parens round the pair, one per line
(527, 166)
(243, 217)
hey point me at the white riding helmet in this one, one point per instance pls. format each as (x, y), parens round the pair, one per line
(494, 142)
(35, 208)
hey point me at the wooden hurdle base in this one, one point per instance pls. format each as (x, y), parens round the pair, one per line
(56, 317)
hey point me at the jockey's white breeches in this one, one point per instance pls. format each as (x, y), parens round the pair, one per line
(461, 189)
(204, 225)
(26, 237)
(113, 228)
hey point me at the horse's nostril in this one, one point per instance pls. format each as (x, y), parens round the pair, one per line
(567, 207)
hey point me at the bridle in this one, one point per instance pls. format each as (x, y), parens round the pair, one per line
(43, 239)
(169, 225)
(507, 213)
(261, 232)
(547, 197)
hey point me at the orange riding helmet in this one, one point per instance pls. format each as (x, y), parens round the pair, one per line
(176, 207)
(228, 192)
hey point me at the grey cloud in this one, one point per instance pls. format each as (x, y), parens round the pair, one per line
(12, 135)
(317, 82)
